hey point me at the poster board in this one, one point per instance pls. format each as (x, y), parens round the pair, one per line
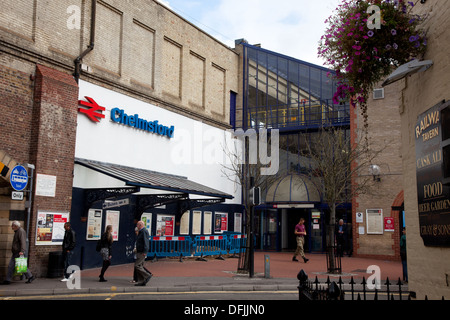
(374, 219)
(184, 223)
(207, 222)
(196, 222)
(220, 222)
(238, 222)
(165, 225)
(50, 228)
(147, 219)
(113, 218)
(94, 224)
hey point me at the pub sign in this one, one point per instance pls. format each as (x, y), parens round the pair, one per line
(432, 191)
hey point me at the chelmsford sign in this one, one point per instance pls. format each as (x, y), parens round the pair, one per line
(432, 192)
(119, 116)
(95, 113)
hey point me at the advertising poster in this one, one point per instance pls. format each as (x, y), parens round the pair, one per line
(50, 228)
(94, 224)
(220, 222)
(113, 218)
(389, 224)
(147, 219)
(165, 225)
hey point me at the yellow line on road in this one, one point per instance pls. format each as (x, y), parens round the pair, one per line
(110, 296)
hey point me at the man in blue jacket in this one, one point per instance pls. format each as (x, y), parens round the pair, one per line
(142, 247)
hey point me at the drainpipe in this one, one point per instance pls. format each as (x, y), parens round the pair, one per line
(90, 47)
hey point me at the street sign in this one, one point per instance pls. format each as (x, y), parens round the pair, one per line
(17, 195)
(19, 178)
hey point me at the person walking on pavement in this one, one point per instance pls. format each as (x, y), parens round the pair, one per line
(18, 249)
(403, 255)
(300, 232)
(142, 247)
(68, 245)
(106, 243)
(340, 237)
(135, 278)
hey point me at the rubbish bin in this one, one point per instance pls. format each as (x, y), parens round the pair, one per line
(55, 265)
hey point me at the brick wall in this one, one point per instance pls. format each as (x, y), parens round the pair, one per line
(428, 267)
(53, 147)
(384, 133)
(141, 47)
(16, 108)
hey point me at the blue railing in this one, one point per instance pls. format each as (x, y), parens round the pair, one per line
(198, 246)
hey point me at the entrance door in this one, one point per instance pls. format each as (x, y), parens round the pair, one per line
(293, 217)
(270, 230)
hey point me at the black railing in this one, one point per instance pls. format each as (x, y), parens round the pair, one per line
(334, 264)
(331, 290)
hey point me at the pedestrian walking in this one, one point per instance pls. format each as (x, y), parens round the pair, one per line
(135, 278)
(68, 246)
(142, 247)
(300, 232)
(340, 237)
(106, 243)
(19, 247)
(403, 255)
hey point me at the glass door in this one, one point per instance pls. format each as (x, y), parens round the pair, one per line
(270, 230)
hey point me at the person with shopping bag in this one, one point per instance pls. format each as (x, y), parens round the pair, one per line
(19, 246)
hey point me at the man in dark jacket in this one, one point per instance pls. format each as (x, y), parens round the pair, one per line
(18, 249)
(67, 248)
(142, 247)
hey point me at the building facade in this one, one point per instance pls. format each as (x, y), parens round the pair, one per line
(91, 88)
(294, 97)
(425, 95)
(379, 212)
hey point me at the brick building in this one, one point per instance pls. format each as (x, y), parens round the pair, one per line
(141, 53)
(383, 200)
(427, 215)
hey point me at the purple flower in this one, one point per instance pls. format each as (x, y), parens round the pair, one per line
(395, 46)
(371, 33)
(394, 32)
(412, 38)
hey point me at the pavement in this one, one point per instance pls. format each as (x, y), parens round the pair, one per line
(171, 275)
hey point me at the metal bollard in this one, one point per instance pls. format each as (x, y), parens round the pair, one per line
(266, 266)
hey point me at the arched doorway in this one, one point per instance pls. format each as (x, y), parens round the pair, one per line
(288, 199)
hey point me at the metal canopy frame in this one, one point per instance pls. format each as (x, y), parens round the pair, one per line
(151, 179)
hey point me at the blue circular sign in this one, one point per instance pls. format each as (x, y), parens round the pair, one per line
(19, 178)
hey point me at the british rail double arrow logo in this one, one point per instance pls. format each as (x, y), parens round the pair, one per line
(92, 110)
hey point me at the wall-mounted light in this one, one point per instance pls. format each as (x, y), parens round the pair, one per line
(375, 171)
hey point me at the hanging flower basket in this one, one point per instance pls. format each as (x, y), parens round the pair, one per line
(365, 40)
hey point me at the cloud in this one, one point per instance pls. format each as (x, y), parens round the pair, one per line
(289, 27)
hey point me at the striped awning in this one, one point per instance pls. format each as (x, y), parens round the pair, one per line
(151, 179)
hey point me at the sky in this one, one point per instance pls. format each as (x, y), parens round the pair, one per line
(289, 27)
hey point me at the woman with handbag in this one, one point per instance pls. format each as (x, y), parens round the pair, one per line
(105, 251)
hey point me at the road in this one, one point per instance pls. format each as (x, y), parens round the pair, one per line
(194, 296)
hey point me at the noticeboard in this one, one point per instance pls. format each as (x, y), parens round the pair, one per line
(50, 228)
(374, 219)
(432, 192)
